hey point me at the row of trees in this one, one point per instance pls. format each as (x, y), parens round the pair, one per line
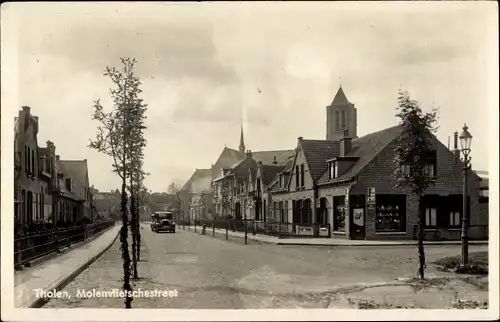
(120, 135)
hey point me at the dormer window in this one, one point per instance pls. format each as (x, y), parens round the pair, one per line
(68, 184)
(333, 170)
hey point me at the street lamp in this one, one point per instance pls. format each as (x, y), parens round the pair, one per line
(465, 143)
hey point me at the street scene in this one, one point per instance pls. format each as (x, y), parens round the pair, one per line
(212, 273)
(192, 156)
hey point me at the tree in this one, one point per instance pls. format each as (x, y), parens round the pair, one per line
(136, 174)
(413, 145)
(116, 136)
(174, 189)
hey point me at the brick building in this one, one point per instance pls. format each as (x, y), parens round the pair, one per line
(348, 183)
(28, 190)
(46, 189)
(226, 186)
(77, 170)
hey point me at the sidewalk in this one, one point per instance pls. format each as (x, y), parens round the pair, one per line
(304, 241)
(56, 272)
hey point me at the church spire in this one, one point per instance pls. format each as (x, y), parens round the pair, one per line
(242, 141)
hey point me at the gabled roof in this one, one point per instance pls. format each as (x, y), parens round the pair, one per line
(316, 152)
(78, 172)
(365, 148)
(287, 167)
(227, 158)
(199, 181)
(269, 173)
(240, 170)
(340, 98)
(268, 157)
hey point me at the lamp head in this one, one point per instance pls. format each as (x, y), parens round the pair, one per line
(465, 139)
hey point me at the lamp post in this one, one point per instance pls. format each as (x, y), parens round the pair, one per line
(465, 143)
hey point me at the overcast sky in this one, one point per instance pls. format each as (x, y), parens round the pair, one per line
(201, 65)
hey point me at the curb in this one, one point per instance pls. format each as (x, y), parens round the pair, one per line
(379, 245)
(42, 301)
(456, 243)
(209, 233)
(65, 249)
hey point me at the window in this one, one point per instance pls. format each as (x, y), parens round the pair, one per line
(33, 163)
(280, 178)
(431, 163)
(302, 174)
(297, 178)
(342, 119)
(405, 169)
(454, 219)
(26, 158)
(390, 213)
(337, 121)
(339, 213)
(286, 212)
(333, 169)
(429, 170)
(68, 184)
(430, 217)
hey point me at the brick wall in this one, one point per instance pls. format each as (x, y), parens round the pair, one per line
(379, 174)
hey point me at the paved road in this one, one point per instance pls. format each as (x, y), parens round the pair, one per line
(212, 273)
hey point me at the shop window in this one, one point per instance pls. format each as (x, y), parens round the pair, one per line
(390, 213)
(339, 213)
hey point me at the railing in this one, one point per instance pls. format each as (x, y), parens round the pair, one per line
(30, 246)
(254, 227)
(474, 232)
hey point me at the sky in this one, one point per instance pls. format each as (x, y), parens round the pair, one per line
(205, 67)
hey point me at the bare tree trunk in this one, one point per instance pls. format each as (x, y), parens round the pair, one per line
(421, 253)
(138, 231)
(124, 247)
(133, 227)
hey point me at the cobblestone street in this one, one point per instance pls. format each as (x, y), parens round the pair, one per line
(212, 273)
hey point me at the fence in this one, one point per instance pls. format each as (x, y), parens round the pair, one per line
(475, 232)
(254, 227)
(30, 246)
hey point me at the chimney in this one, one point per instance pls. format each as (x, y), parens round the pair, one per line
(85, 160)
(345, 144)
(274, 161)
(249, 153)
(300, 138)
(26, 109)
(456, 150)
(57, 158)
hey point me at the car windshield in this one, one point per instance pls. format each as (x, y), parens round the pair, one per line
(163, 215)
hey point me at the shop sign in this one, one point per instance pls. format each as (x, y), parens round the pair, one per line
(371, 196)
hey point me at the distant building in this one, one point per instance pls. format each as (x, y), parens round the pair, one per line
(78, 171)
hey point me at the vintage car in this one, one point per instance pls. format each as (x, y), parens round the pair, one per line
(162, 221)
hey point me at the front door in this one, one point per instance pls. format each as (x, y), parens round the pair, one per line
(357, 216)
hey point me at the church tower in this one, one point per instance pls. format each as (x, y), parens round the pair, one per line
(242, 142)
(340, 116)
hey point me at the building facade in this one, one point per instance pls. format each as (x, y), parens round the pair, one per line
(28, 189)
(45, 191)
